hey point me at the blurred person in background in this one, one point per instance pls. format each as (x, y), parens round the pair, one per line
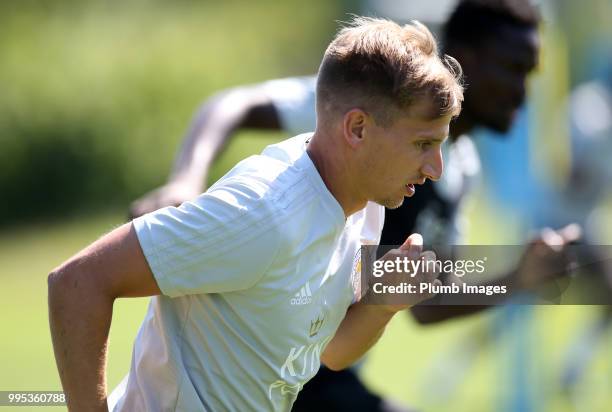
(540, 368)
(586, 371)
(590, 112)
(496, 43)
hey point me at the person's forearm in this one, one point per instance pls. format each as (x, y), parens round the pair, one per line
(214, 125)
(206, 137)
(433, 312)
(450, 306)
(212, 128)
(80, 319)
(361, 328)
(426, 315)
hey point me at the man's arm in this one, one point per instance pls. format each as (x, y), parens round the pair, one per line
(364, 323)
(216, 121)
(81, 296)
(360, 329)
(545, 259)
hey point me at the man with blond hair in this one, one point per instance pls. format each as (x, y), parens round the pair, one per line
(251, 282)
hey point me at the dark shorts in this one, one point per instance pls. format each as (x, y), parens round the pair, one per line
(336, 391)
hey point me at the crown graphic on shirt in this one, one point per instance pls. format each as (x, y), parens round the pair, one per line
(315, 325)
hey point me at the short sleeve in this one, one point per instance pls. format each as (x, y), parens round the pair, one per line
(224, 240)
(294, 100)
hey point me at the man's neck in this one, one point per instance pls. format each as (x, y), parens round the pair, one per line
(330, 162)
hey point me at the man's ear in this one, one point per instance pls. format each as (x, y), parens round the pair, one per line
(355, 121)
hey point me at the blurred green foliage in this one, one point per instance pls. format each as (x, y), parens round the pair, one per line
(97, 95)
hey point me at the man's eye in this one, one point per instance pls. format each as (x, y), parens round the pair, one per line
(423, 145)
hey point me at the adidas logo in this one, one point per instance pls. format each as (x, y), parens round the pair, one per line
(303, 297)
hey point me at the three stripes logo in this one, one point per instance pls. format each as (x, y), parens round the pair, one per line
(303, 297)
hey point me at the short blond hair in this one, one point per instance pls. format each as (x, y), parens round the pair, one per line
(384, 68)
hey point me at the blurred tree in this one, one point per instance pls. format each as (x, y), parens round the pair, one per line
(96, 94)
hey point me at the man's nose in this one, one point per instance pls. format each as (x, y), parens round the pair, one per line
(433, 166)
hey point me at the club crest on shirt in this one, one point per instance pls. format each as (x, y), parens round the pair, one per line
(315, 325)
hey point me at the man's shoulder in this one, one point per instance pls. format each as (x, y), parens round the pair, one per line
(258, 179)
(274, 177)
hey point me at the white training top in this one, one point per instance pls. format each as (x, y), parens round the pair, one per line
(256, 275)
(294, 99)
